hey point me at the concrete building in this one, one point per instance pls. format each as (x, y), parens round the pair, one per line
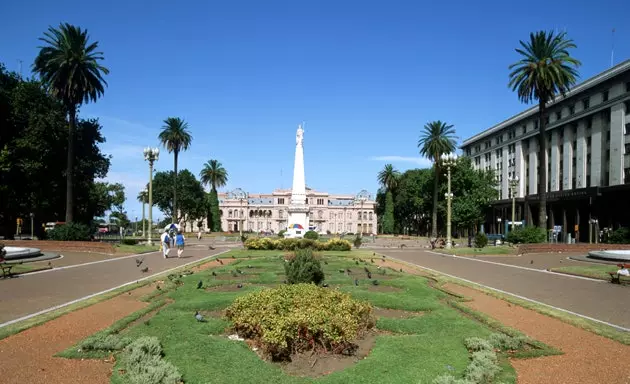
(269, 212)
(587, 159)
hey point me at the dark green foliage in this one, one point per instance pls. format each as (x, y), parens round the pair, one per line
(129, 241)
(388, 218)
(357, 241)
(70, 232)
(304, 268)
(527, 235)
(191, 198)
(481, 240)
(505, 342)
(104, 342)
(285, 244)
(215, 213)
(281, 233)
(311, 235)
(619, 236)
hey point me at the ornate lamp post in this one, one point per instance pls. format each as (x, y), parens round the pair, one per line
(144, 196)
(448, 160)
(513, 184)
(151, 155)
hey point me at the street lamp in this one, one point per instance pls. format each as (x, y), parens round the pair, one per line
(448, 160)
(513, 184)
(151, 155)
(144, 200)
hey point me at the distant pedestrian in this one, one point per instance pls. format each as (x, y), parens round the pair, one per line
(165, 241)
(199, 234)
(180, 242)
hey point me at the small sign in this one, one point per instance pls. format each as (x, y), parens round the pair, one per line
(576, 228)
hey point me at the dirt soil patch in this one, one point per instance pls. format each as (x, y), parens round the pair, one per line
(318, 364)
(587, 358)
(395, 313)
(28, 357)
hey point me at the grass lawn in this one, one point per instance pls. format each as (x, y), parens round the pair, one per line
(466, 251)
(135, 249)
(24, 268)
(594, 271)
(412, 350)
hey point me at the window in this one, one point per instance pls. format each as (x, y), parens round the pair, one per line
(626, 129)
(349, 215)
(606, 115)
(478, 159)
(572, 109)
(320, 201)
(281, 200)
(586, 103)
(605, 96)
(589, 123)
(339, 227)
(536, 124)
(627, 148)
(558, 115)
(628, 87)
(332, 216)
(281, 213)
(370, 216)
(320, 214)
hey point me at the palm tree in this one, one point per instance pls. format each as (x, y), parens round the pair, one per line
(388, 179)
(68, 66)
(175, 137)
(436, 139)
(213, 174)
(544, 70)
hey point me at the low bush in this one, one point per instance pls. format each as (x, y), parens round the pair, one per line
(300, 317)
(144, 364)
(104, 342)
(357, 241)
(338, 245)
(267, 243)
(477, 344)
(483, 367)
(281, 233)
(506, 343)
(619, 236)
(481, 240)
(304, 268)
(129, 241)
(70, 232)
(311, 235)
(527, 235)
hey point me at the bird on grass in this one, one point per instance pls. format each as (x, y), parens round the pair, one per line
(239, 285)
(239, 271)
(369, 275)
(372, 260)
(158, 288)
(349, 271)
(144, 270)
(356, 282)
(357, 262)
(366, 269)
(375, 282)
(199, 284)
(139, 262)
(234, 274)
(401, 270)
(325, 262)
(214, 273)
(234, 257)
(199, 317)
(325, 285)
(373, 253)
(342, 271)
(249, 266)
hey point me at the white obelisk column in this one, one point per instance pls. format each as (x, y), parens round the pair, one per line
(297, 207)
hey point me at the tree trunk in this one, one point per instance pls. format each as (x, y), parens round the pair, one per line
(174, 215)
(435, 201)
(542, 168)
(70, 164)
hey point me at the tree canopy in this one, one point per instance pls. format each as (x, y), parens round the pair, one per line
(190, 195)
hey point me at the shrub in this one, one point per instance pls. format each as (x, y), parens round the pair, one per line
(481, 240)
(300, 317)
(357, 241)
(506, 343)
(129, 241)
(304, 268)
(483, 367)
(306, 243)
(281, 233)
(477, 344)
(144, 364)
(70, 232)
(104, 342)
(338, 245)
(293, 244)
(3, 253)
(312, 235)
(527, 235)
(619, 236)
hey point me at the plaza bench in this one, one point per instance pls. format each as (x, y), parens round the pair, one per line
(615, 278)
(6, 269)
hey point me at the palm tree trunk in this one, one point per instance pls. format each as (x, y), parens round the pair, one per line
(435, 202)
(174, 216)
(542, 168)
(70, 164)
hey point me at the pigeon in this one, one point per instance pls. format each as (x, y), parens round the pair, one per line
(375, 282)
(366, 269)
(356, 282)
(249, 266)
(158, 288)
(214, 273)
(373, 253)
(144, 270)
(401, 270)
(239, 271)
(199, 284)
(372, 260)
(325, 262)
(220, 261)
(199, 317)
(239, 285)
(369, 275)
(234, 257)
(357, 262)
(531, 262)
(139, 262)
(210, 248)
(349, 271)
(325, 285)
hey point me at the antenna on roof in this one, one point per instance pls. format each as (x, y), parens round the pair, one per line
(612, 51)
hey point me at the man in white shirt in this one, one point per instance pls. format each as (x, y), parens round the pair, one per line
(166, 243)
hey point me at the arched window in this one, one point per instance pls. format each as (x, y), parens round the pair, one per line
(320, 214)
(370, 216)
(230, 213)
(251, 213)
(220, 212)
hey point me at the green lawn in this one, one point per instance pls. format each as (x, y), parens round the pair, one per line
(416, 349)
(138, 248)
(466, 251)
(594, 271)
(25, 268)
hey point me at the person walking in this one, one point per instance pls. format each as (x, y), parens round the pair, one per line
(180, 242)
(165, 241)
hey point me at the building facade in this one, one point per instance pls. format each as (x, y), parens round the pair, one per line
(269, 212)
(587, 159)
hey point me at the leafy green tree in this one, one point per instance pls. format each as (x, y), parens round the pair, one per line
(437, 138)
(545, 69)
(68, 65)
(388, 179)
(175, 137)
(214, 174)
(189, 191)
(413, 198)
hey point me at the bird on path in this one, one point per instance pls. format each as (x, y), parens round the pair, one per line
(144, 270)
(139, 262)
(369, 275)
(199, 284)
(214, 273)
(199, 317)
(210, 248)
(401, 270)
(220, 261)
(531, 262)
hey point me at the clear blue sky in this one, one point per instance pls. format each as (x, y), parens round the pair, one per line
(365, 76)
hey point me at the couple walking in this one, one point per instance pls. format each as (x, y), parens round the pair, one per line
(165, 241)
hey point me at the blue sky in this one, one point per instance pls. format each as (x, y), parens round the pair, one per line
(364, 76)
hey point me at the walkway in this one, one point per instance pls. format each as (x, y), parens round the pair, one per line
(596, 299)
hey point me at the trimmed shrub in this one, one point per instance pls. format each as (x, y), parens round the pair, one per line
(104, 342)
(619, 236)
(481, 240)
(506, 343)
(448, 379)
(527, 235)
(281, 233)
(357, 241)
(477, 344)
(293, 244)
(311, 235)
(70, 232)
(483, 367)
(304, 268)
(129, 241)
(300, 317)
(338, 245)
(144, 364)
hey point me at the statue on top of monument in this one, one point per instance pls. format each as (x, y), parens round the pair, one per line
(299, 136)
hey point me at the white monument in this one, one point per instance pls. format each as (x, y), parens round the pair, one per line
(298, 221)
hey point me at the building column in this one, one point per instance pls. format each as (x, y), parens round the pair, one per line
(504, 184)
(580, 155)
(617, 124)
(567, 158)
(596, 151)
(533, 166)
(565, 230)
(554, 152)
(520, 169)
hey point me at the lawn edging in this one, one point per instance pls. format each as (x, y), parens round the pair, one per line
(39, 318)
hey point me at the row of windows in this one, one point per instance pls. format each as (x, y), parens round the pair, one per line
(318, 201)
(320, 214)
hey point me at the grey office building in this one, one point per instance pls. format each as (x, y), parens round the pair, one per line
(587, 160)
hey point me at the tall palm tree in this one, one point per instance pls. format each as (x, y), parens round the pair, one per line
(175, 137)
(544, 70)
(213, 174)
(436, 139)
(68, 65)
(388, 179)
